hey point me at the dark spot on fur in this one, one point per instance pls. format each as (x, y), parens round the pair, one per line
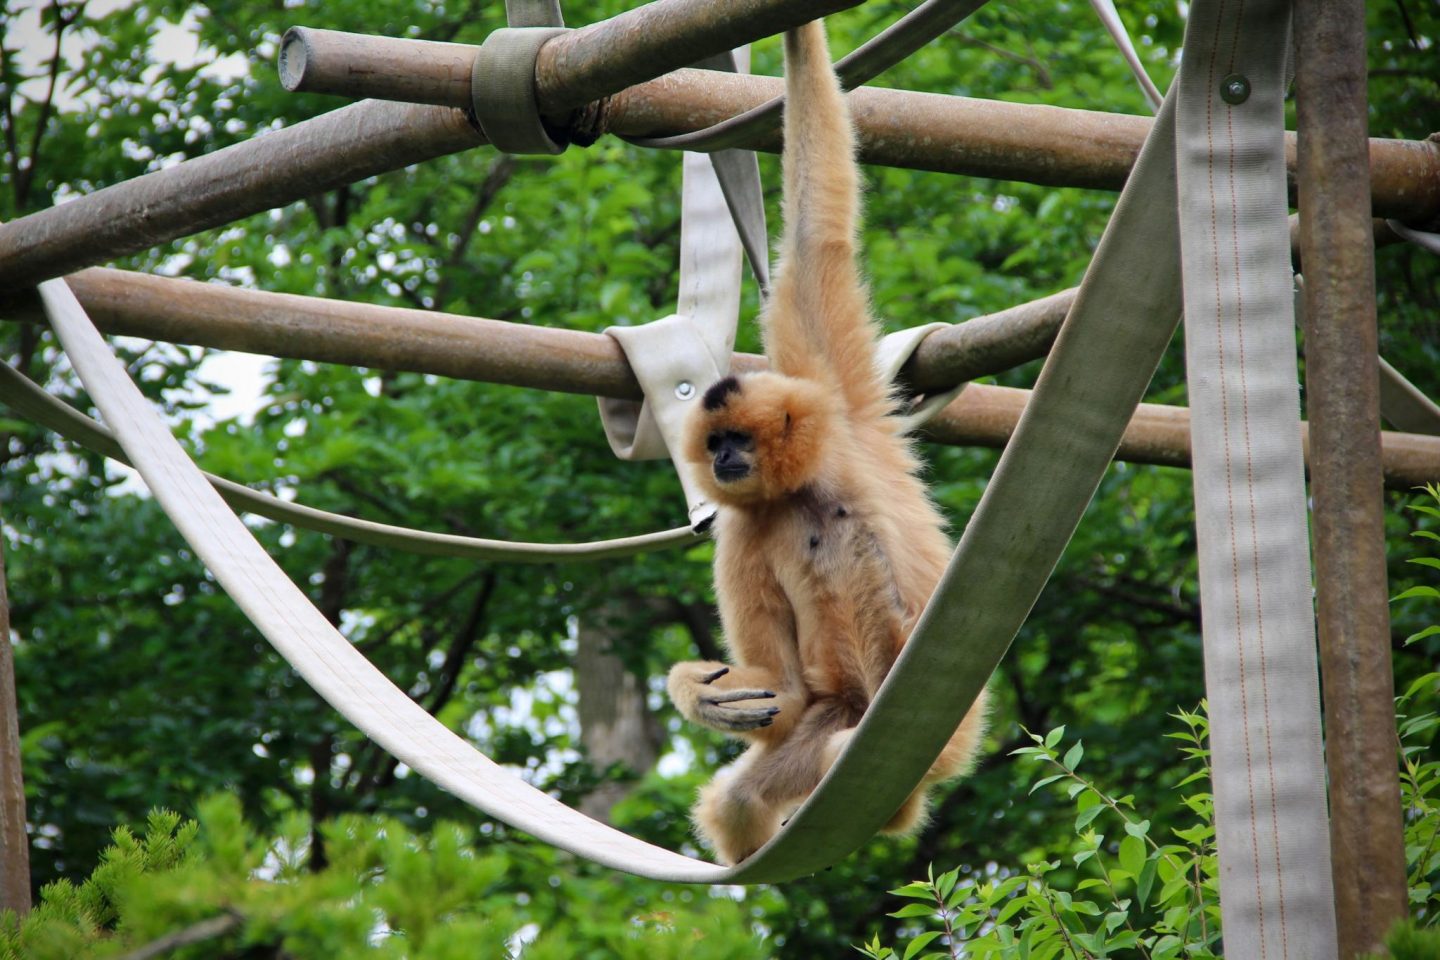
(814, 540)
(841, 512)
(715, 397)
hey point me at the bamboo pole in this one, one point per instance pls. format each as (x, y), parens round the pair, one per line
(1343, 400)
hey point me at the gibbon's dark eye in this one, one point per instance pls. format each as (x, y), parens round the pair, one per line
(730, 439)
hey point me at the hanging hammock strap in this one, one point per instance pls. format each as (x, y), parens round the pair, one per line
(328, 662)
(678, 357)
(1259, 636)
(29, 400)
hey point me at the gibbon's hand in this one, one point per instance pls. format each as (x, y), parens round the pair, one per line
(711, 706)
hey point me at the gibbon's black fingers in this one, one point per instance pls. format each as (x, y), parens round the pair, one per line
(736, 720)
(730, 696)
(711, 678)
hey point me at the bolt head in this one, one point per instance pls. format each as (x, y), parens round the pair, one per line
(1235, 89)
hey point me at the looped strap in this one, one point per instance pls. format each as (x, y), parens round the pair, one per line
(502, 92)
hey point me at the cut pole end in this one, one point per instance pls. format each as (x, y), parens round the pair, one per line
(294, 57)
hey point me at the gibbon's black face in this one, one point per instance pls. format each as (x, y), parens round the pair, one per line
(730, 453)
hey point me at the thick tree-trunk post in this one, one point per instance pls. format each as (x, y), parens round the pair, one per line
(1342, 378)
(14, 841)
(616, 726)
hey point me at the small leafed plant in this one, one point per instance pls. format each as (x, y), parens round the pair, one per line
(1142, 897)
(1139, 896)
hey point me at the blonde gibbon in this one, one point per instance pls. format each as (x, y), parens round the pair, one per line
(827, 545)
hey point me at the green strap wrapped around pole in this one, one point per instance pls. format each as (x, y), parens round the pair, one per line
(1267, 770)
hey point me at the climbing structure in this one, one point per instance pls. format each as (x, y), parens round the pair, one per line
(1204, 187)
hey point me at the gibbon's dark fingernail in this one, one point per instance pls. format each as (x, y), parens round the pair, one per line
(768, 693)
(715, 676)
(774, 710)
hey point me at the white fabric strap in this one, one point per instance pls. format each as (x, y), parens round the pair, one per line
(1110, 17)
(328, 662)
(1259, 633)
(894, 352)
(677, 358)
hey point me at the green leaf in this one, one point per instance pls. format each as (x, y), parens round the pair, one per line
(1421, 591)
(1054, 736)
(917, 890)
(913, 910)
(1046, 781)
(1087, 815)
(1137, 829)
(920, 943)
(1145, 882)
(1427, 632)
(1132, 855)
(1073, 755)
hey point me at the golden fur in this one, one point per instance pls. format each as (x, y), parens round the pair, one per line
(827, 545)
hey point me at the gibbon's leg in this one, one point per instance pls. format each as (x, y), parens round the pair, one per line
(730, 816)
(744, 805)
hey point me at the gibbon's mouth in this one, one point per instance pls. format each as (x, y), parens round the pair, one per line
(730, 472)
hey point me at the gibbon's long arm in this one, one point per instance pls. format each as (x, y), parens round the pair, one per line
(817, 324)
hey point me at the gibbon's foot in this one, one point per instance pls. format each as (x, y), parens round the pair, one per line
(715, 710)
(711, 705)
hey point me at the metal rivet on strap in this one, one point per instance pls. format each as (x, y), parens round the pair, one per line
(1235, 89)
(684, 389)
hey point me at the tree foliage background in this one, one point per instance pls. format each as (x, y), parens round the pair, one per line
(142, 686)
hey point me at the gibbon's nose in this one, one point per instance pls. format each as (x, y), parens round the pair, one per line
(729, 466)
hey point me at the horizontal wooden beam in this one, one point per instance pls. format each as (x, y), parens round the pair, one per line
(1159, 434)
(1010, 141)
(472, 348)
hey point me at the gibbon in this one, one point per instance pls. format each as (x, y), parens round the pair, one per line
(827, 545)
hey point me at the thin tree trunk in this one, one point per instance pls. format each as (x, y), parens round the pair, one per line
(616, 726)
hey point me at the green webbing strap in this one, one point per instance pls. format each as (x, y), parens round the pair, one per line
(534, 13)
(874, 57)
(1267, 767)
(27, 399)
(1405, 405)
(502, 81)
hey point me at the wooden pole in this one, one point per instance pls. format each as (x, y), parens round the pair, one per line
(1343, 397)
(14, 841)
